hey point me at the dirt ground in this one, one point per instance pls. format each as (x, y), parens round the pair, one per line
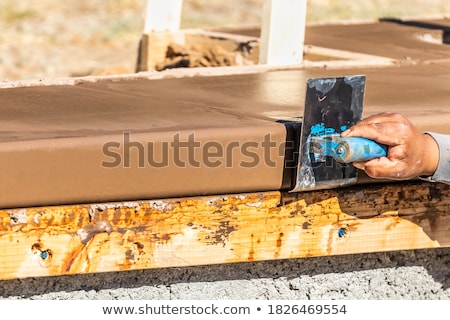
(51, 38)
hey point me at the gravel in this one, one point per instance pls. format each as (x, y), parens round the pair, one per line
(415, 274)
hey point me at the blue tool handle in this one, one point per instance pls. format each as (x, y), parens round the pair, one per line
(357, 149)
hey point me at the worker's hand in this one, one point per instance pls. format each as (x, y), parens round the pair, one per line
(410, 153)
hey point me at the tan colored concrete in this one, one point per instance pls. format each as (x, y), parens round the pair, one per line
(402, 42)
(52, 138)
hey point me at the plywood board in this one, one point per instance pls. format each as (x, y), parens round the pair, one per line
(58, 240)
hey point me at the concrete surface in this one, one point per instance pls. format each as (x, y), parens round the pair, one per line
(416, 274)
(39, 123)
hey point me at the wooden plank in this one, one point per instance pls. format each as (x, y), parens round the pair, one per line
(60, 240)
(153, 48)
(282, 32)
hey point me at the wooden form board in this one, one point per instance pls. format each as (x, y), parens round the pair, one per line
(59, 240)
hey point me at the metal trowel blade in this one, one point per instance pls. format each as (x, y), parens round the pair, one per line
(331, 106)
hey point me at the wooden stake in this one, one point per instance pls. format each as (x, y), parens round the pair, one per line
(162, 15)
(282, 32)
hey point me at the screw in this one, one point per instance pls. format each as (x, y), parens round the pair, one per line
(342, 232)
(44, 254)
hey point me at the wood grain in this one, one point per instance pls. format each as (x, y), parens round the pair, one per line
(60, 240)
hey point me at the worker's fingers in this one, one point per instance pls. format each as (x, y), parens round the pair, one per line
(385, 128)
(406, 147)
(360, 165)
(383, 168)
(384, 117)
(386, 133)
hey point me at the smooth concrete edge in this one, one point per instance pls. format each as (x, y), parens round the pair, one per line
(358, 62)
(103, 169)
(144, 75)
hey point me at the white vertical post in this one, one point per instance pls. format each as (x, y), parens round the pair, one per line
(282, 32)
(162, 15)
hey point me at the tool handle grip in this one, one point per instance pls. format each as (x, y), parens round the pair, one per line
(356, 149)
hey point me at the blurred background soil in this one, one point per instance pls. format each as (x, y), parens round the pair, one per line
(57, 38)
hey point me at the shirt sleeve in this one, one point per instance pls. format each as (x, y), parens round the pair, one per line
(442, 173)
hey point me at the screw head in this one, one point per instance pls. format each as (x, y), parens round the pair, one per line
(44, 255)
(342, 232)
